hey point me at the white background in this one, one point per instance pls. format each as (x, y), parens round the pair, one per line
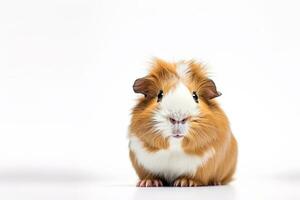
(66, 74)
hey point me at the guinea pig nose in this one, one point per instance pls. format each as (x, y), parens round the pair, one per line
(184, 120)
(173, 121)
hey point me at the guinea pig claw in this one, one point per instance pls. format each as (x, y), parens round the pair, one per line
(160, 184)
(185, 182)
(155, 183)
(149, 183)
(141, 183)
(217, 183)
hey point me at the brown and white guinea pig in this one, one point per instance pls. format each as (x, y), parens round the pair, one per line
(179, 135)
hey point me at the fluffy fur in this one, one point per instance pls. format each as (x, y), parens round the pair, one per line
(177, 140)
(169, 163)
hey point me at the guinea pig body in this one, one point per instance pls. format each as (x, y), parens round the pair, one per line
(178, 134)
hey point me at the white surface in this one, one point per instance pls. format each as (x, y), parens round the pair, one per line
(66, 72)
(258, 188)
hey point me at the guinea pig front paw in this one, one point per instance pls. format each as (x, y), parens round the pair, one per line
(216, 183)
(186, 182)
(149, 183)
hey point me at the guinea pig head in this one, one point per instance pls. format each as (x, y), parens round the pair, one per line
(176, 96)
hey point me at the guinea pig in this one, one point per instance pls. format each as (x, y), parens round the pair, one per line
(178, 134)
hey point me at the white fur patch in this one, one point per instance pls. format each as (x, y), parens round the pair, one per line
(182, 69)
(177, 104)
(170, 163)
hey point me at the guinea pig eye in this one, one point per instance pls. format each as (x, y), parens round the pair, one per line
(160, 96)
(195, 97)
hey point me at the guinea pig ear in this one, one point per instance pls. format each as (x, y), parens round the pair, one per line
(210, 90)
(145, 86)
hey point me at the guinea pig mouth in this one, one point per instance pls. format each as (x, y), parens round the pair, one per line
(177, 136)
